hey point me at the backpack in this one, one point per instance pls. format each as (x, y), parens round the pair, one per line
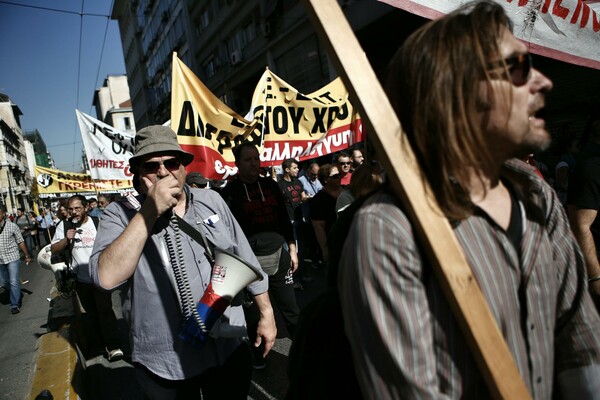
(320, 357)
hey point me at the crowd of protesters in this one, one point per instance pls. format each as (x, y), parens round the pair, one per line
(513, 227)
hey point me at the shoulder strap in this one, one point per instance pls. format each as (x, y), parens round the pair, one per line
(198, 237)
(96, 221)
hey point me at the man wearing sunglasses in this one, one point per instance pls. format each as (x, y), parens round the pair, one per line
(140, 246)
(344, 165)
(468, 97)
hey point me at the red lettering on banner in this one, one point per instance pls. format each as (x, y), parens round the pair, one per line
(522, 3)
(585, 15)
(563, 12)
(117, 164)
(75, 185)
(559, 10)
(546, 6)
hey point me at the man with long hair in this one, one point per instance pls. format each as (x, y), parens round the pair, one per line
(468, 96)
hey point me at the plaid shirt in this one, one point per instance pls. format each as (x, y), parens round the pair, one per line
(9, 242)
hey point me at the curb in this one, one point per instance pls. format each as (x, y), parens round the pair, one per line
(58, 365)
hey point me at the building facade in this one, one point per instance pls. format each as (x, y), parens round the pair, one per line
(228, 44)
(113, 103)
(15, 178)
(42, 156)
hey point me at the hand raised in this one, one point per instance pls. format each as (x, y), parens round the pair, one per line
(163, 195)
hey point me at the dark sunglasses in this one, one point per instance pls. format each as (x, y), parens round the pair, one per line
(346, 163)
(336, 176)
(519, 68)
(152, 167)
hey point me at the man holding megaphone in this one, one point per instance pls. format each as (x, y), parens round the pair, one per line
(145, 245)
(75, 238)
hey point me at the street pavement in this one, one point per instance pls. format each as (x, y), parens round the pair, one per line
(101, 378)
(20, 332)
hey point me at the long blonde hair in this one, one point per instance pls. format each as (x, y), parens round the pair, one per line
(434, 86)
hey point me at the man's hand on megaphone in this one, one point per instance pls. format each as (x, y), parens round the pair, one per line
(70, 234)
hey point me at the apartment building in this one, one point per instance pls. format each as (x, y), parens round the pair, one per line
(229, 43)
(42, 156)
(15, 179)
(113, 103)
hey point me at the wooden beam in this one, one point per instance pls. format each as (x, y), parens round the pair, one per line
(434, 232)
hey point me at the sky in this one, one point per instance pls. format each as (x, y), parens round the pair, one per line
(48, 72)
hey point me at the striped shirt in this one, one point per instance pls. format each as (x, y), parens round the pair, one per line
(406, 343)
(9, 242)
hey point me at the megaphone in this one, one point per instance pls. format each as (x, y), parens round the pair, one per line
(230, 275)
(44, 258)
(65, 283)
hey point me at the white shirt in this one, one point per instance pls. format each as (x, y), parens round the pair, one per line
(82, 248)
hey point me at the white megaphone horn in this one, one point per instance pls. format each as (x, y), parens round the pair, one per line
(230, 275)
(64, 283)
(44, 258)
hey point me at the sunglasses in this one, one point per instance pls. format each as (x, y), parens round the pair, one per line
(346, 163)
(519, 68)
(152, 167)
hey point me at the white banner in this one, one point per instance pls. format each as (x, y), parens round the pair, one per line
(566, 30)
(107, 149)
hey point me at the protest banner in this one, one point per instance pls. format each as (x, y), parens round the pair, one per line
(282, 122)
(300, 126)
(566, 30)
(205, 126)
(57, 183)
(107, 149)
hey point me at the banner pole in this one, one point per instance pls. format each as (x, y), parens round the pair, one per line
(435, 234)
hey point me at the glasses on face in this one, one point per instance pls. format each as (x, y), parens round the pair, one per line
(519, 68)
(313, 175)
(75, 209)
(152, 167)
(345, 163)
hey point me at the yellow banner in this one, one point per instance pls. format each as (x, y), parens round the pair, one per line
(282, 123)
(205, 126)
(56, 183)
(294, 125)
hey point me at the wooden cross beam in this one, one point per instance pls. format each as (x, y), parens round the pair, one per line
(435, 234)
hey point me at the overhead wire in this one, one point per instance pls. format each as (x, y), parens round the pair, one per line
(102, 52)
(53, 9)
(79, 58)
(78, 73)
